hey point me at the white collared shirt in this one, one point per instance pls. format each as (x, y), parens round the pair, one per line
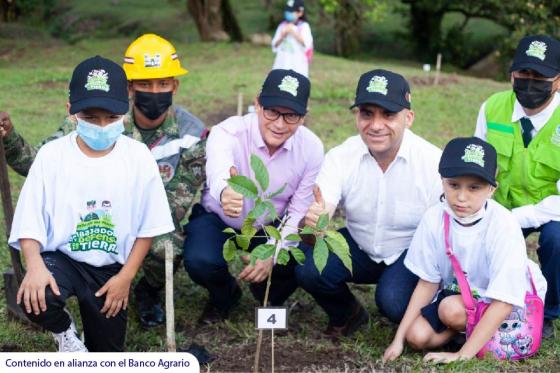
(538, 120)
(529, 216)
(382, 209)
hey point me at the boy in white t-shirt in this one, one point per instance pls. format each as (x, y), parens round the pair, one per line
(489, 246)
(86, 216)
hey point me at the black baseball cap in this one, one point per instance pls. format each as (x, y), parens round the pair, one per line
(469, 156)
(99, 83)
(285, 88)
(294, 5)
(540, 53)
(384, 88)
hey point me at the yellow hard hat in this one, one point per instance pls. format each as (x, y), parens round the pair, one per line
(151, 57)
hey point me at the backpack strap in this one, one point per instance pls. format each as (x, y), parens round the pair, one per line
(532, 281)
(468, 299)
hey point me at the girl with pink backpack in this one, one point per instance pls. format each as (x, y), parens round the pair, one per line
(475, 277)
(293, 42)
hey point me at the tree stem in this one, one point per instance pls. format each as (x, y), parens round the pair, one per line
(265, 301)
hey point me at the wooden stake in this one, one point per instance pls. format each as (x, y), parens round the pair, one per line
(259, 339)
(169, 306)
(239, 103)
(438, 68)
(272, 352)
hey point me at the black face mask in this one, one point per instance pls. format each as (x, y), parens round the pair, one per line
(532, 93)
(153, 105)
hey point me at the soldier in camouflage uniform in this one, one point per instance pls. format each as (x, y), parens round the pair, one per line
(175, 137)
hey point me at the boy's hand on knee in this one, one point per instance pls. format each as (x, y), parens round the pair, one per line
(257, 273)
(394, 350)
(32, 288)
(117, 290)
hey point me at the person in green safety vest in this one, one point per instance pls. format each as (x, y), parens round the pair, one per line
(523, 124)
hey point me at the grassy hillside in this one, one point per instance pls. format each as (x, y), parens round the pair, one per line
(33, 89)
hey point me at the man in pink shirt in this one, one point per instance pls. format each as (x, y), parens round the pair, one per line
(293, 156)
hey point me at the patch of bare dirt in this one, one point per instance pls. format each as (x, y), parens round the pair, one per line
(429, 80)
(10, 347)
(289, 356)
(213, 117)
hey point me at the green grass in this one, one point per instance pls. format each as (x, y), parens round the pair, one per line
(33, 89)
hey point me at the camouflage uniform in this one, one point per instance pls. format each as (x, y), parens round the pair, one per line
(179, 152)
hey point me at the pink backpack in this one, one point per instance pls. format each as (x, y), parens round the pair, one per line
(519, 336)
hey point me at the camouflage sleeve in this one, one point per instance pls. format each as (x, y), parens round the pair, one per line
(20, 154)
(188, 181)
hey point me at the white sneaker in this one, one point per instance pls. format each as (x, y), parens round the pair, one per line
(69, 341)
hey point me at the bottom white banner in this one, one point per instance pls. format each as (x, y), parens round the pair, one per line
(137, 362)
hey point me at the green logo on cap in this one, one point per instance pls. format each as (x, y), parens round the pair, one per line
(290, 3)
(474, 154)
(97, 79)
(289, 84)
(537, 49)
(378, 84)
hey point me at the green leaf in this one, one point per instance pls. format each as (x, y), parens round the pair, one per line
(293, 237)
(320, 254)
(261, 174)
(272, 215)
(242, 241)
(243, 185)
(262, 252)
(273, 232)
(338, 245)
(298, 255)
(229, 230)
(307, 230)
(279, 191)
(283, 257)
(258, 210)
(229, 250)
(248, 229)
(323, 221)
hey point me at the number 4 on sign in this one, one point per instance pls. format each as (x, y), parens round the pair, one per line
(269, 318)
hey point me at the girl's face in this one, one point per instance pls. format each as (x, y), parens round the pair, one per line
(466, 194)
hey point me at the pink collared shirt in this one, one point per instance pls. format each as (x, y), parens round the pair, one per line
(296, 163)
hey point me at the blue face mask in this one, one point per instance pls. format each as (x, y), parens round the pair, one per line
(99, 138)
(290, 16)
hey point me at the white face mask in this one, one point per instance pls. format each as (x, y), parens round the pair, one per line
(467, 219)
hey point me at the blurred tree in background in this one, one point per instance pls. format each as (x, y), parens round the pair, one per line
(215, 20)
(349, 19)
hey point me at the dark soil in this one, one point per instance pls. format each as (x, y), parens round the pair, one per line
(429, 80)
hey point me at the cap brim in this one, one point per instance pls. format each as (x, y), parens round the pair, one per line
(391, 106)
(464, 171)
(274, 101)
(105, 103)
(545, 71)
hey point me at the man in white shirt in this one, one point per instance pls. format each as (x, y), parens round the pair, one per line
(523, 124)
(384, 179)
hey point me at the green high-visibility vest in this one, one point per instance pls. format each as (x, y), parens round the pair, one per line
(525, 175)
